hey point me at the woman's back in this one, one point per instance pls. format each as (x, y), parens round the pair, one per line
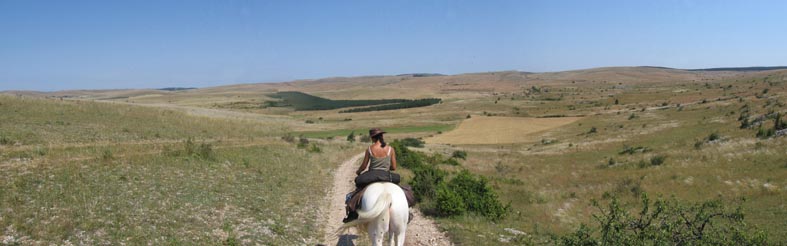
(380, 163)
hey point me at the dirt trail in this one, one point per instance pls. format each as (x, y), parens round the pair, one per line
(421, 231)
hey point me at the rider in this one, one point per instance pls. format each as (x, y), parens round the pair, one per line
(387, 156)
(380, 159)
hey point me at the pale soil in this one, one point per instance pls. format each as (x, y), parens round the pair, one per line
(499, 130)
(420, 231)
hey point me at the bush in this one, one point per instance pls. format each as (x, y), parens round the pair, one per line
(459, 154)
(413, 142)
(713, 137)
(315, 149)
(633, 150)
(451, 161)
(205, 151)
(5, 141)
(666, 222)
(288, 138)
(448, 202)
(303, 142)
(426, 181)
(465, 192)
(477, 195)
(657, 160)
(592, 130)
(351, 137)
(366, 139)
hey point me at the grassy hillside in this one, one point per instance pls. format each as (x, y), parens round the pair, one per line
(550, 178)
(96, 173)
(623, 132)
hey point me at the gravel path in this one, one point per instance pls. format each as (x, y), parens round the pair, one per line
(420, 231)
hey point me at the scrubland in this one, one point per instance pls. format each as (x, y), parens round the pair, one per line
(121, 170)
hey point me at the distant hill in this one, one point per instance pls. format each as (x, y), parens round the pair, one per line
(176, 88)
(724, 69)
(739, 69)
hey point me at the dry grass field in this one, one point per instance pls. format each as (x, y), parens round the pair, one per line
(499, 130)
(549, 143)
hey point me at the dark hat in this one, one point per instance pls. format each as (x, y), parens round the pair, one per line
(375, 131)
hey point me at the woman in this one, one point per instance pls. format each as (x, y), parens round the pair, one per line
(379, 156)
(380, 159)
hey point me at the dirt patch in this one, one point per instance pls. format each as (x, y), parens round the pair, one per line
(499, 130)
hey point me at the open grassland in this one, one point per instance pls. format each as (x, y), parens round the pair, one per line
(499, 130)
(621, 132)
(610, 153)
(117, 174)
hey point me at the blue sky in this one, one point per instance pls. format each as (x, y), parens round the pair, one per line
(57, 45)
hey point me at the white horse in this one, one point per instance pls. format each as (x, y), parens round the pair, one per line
(383, 210)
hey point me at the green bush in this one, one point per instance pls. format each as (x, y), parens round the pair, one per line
(713, 136)
(476, 195)
(205, 152)
(657, 160)
(459, 154)
(448, 202)
(464, 193)
(315, 149)
(5, 141)
(303, 142)
(351, 137)
(426, 181)
(451, 162)
(666, 222)
(412, 142)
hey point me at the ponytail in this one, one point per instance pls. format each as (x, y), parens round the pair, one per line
(381, 139)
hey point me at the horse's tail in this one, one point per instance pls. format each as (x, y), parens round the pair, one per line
(364, 216)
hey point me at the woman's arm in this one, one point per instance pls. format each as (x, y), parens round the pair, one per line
(393, 159)
(364, 164)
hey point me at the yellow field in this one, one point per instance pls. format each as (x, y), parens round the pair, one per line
(499, 130)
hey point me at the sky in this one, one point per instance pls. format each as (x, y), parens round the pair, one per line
(60, 45)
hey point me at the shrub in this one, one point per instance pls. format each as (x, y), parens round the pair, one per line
(413, 142)
(633, 150)
(426, 180)
(107, 155)
(657, 160)
(366, 139)
(448, 202)
(205, 151)
(592, 130)
(451, 161)
(288, 138)
(666, 222)
(5, 141)
(351, 137)
(477, 195)
(315, 149)
(303, 142)
(459, 154)
(713, 137)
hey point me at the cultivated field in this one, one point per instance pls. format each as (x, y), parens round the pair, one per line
(499, 130)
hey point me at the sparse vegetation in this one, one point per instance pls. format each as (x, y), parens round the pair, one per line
(666, 221)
